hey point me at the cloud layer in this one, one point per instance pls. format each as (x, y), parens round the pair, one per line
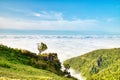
(42, 20)
(59, 24)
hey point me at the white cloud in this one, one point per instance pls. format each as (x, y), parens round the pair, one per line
(37, 14)
(7, 23)
(109, 19)
(48, 15)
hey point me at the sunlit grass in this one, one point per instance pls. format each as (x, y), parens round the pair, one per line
(15, 65)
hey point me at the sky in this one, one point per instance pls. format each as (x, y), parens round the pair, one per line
(76, 15)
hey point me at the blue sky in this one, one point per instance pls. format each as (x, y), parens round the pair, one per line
(77, 15)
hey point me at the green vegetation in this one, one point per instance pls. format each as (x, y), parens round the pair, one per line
(66, 72)
(42, 47)
(23, 64)
(101, 64)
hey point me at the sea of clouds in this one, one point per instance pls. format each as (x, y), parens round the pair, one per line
(66, 46)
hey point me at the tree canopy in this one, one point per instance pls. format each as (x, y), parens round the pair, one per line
(42, 47)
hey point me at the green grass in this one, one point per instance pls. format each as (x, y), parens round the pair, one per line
(24, 65)
(18, 71)
(103, 64)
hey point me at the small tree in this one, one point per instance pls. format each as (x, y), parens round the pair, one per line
(41, 47)
(67, 67)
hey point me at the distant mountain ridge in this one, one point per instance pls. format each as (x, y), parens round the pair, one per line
(55, 32)
(103, 64)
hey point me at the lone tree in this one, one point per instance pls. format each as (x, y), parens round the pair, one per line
(41, 47)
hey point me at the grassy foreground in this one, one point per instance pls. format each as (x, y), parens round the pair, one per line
(24, 65)
(103, 64)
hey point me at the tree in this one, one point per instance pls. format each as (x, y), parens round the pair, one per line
(67, 67)
(41, 47)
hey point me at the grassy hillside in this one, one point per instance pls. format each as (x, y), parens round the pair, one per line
(22, 64)
(101, 64)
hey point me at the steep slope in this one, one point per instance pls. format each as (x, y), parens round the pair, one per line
(101, 64)
(22, 64)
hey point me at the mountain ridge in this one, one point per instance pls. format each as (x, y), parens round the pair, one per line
(102, 64)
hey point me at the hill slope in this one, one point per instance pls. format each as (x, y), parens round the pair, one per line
(101, 64)
(22, 64)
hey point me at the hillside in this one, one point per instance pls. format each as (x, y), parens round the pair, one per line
(103, 64)
(23, 64)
